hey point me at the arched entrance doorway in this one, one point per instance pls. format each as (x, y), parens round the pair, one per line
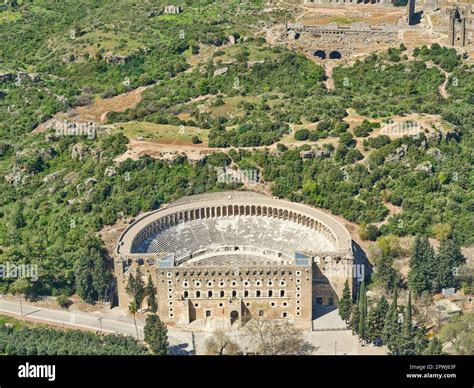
(335, 55)
(320, 54)
(234, 316)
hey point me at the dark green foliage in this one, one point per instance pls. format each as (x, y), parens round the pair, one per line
(93, 272)
(383, 254)
(261, 124)
(362, 327)
(156, 335)
(365, 128)
(391, 329)
(369, 232)
(446, 58)
(63, 301)
(422, 266)
(302, 134)
(390, 88)
(435, 348)
(38, 340)
(49, 223)
(448, 258)
(386, 276)
(249, 135)
(376, 320)
(37, 217)
(403, 338)
(354, 321)
(136, 288)
(196, 140)
(345, 303)
(346, 153)
(407, 337)
(377, 142)
(151, 296)
(430, 272)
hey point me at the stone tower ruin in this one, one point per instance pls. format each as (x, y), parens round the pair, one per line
(457, 27)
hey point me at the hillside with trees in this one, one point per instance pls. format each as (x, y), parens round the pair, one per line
(58, 192)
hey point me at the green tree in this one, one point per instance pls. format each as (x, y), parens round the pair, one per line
(156, 335)
(151, 296)
(93, 274)
(376, 320)
(369, 232)
(345, 303)
(421, 340)
(442, 231)
(449, 258)
(136, 288)
(354, 319)
(24, 339)
(84, 286)
(17, 220)
(458, 331)
(355, 315)
(422, 266)
(362, 313)
(63, 301)
(302, 134)
(435, 348)
(132, 308)
(385, 275)
(407, 338)
(383, 253)
(391, 330)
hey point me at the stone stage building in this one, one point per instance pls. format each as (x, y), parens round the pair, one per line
(222, 258)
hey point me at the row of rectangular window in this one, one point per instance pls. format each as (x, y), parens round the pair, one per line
(261, 313)
(246, 294)
(235, 273)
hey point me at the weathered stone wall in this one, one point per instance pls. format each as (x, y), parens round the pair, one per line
(219, 296)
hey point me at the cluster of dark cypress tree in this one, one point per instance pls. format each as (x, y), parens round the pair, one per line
(429, 271)
(383, 324)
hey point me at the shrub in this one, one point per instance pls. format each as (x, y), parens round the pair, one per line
(63, 301)
(302, 134)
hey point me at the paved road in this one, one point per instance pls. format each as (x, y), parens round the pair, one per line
(325, 342)
(179, 341)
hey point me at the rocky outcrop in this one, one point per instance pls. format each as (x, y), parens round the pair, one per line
(79, 151)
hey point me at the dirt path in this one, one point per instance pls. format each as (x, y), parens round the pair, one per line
(101, 107)
(97, 111)
(442, 89)
(329, 79)
(138, 148)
